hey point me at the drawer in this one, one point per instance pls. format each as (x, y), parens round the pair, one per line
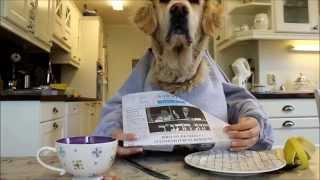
(285, 128)
(52, 110)
(290, 107)
(51, 131)
(294, 123)
(73, 107)
(281, 135)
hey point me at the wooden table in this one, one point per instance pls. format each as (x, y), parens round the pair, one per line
(166, 163)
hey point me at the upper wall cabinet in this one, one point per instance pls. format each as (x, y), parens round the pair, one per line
(29, 19)
(66, 33)
(75, 50)
(268, 19)
(63, 13)
(297, 16)
(18, 12)
(43, 30)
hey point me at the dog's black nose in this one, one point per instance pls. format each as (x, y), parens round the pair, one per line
(178, 9)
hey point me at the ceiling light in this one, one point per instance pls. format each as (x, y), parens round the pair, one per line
(306, 48)
(117, 5)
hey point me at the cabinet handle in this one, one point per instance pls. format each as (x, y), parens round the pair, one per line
(288, 108)
(316, 27)
(55, 110)
(32, 17)
(55, 125)
(32, 4)
(29, 26)
(288, 124)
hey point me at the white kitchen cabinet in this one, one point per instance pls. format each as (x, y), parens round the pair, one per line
(24, 129)
(98, 108)
(288, 19)
(50, 131)
(92, 114)
(29, 19)
(292, 117)
(63, 17)
(73, 119)
(66, 34)
(75, 49)
(297, 16)
(58, 23)
(68, 18)
(17, 11)
(43, 21)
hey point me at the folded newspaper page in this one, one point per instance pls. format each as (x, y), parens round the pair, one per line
(159, 118)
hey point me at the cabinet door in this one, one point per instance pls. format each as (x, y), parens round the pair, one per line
(67, 20)
(91, 121)
(285, 128)
(43, 18)
(297, 15)
(18, 12)
(75, 51)
(51, 131)
(74, 125)
(84, 118)
(52, 110)
(58, 19)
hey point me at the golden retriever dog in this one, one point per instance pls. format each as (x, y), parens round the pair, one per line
(180, 30)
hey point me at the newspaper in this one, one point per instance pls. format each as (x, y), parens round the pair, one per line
(159, 118)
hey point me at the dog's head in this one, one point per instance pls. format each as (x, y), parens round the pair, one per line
(178, 23)
(179, 31)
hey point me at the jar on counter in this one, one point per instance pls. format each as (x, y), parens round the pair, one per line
(302, 83)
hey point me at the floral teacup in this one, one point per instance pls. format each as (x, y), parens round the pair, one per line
(85, 157)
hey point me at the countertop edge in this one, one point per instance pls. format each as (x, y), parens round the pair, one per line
(284, 95)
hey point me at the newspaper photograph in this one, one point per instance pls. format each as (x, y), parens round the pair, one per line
(160, 118)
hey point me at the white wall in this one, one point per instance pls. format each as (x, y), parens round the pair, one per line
(274, 57)
(83, 79)
(124, 43)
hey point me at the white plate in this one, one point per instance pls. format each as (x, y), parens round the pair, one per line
(212, 160)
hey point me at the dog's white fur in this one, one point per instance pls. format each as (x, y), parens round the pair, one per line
(178, 65)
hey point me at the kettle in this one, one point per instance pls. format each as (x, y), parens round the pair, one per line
(241, 69)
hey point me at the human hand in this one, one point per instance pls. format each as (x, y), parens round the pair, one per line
(244, 134)
(126, 151)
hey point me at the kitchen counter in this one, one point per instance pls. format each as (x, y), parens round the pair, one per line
(283, 95)
(170, 164)
(43, 98)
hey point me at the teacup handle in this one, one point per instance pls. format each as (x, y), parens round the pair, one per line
(61, 171)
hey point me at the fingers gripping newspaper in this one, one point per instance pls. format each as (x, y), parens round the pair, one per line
(159, 118)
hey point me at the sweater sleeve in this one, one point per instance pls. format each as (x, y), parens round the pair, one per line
(241, 103)
(111, 115)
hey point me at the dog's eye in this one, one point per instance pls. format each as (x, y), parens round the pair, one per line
(194, 1)
(164, 1)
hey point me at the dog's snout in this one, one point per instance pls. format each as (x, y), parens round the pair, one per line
(179, 8)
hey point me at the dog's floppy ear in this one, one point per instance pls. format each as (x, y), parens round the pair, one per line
(211, 19)
(146, 19)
